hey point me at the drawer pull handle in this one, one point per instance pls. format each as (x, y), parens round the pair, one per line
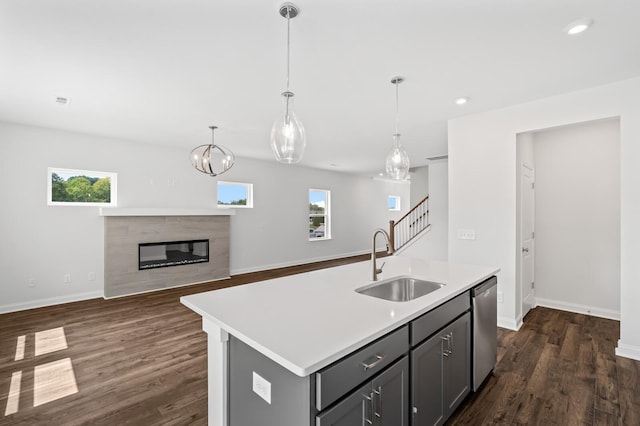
(449, 339)
(377, 408)
(368, 419)
(371, 365)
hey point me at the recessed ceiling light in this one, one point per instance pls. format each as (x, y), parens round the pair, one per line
(462, 101)
(578, 26)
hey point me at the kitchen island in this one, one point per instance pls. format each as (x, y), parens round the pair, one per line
(305, 323)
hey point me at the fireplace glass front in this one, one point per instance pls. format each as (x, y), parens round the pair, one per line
(172, 253)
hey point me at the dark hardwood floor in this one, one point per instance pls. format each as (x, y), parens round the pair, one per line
(560, 368)
(141, 360)
(137, 360)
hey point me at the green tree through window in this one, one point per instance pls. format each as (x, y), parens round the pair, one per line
(67, 187)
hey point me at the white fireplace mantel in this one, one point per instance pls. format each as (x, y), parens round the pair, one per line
(165, 212)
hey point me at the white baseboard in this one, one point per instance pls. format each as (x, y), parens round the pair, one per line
(294, 263)
(509, 323)
(628, 351)
(40, 303)
(579, 309)
(153, 290)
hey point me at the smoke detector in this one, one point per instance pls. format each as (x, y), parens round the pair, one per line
(62, 101)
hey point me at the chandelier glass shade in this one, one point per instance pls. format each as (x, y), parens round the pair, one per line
(288, 138)
(212, 159)
(397, 163)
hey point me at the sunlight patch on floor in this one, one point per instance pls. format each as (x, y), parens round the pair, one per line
(14, 394)
(53, 381)
(20, 348)
(51, 340)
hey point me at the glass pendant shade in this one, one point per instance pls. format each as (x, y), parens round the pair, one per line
(288, 139)
(397, 164)
(212, 159)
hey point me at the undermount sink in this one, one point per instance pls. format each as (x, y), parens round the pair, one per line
(400, 289)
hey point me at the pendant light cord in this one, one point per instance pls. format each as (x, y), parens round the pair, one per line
(213, 140)
(397, 109)
(397, 134)
(288, 44)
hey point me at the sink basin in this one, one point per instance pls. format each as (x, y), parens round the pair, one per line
(400, 289)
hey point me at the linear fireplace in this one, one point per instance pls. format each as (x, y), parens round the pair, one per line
(172, 253)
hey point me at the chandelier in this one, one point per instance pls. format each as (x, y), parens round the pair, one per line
(212, 159)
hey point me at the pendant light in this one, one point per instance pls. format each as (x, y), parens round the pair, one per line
(397, 164)
(287, 134)
(212, 159)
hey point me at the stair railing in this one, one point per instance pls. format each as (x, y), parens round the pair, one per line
(409, 225)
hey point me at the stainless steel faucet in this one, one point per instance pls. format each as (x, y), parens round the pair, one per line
(374, 268)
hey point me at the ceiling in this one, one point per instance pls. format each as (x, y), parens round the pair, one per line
(161, 71)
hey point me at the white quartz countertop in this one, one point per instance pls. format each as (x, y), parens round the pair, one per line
(305, 322)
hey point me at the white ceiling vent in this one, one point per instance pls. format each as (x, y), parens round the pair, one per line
(62, 101)
(437, 157)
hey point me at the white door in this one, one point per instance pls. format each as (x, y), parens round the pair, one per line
(527, 238)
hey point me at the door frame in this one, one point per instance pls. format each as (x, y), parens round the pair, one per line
(520, 277)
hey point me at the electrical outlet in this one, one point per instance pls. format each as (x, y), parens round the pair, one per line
(466, 234)
(67, 278)
(91, 276)
(262, 387)
(500, 297)
(31, 282)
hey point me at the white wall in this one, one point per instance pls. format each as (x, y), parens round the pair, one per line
(274, 233)
(419, 184)
(46, 242)
(433, 244)
(577, 218)
(482, 188)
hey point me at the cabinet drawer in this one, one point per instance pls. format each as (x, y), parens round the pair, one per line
(350, 411)
(432, 321)
(337, 379)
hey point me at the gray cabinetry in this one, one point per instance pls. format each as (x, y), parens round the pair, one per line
(430, 356)
(391, 396)
(441, 376)
(379, 372)
(427, 382)
(384, 401)
(457, 365)
(336, 380)
(351, 411)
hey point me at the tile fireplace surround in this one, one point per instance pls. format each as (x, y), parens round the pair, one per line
(124, 229)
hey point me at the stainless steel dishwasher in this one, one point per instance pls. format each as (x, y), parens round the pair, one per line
(485, 333)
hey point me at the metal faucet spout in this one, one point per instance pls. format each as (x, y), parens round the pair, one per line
(374, 268)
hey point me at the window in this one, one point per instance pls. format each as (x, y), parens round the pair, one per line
(235, 195)
(319, 210)
(393, 202)
(69, 187)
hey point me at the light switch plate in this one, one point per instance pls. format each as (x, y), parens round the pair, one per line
(262, 387)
